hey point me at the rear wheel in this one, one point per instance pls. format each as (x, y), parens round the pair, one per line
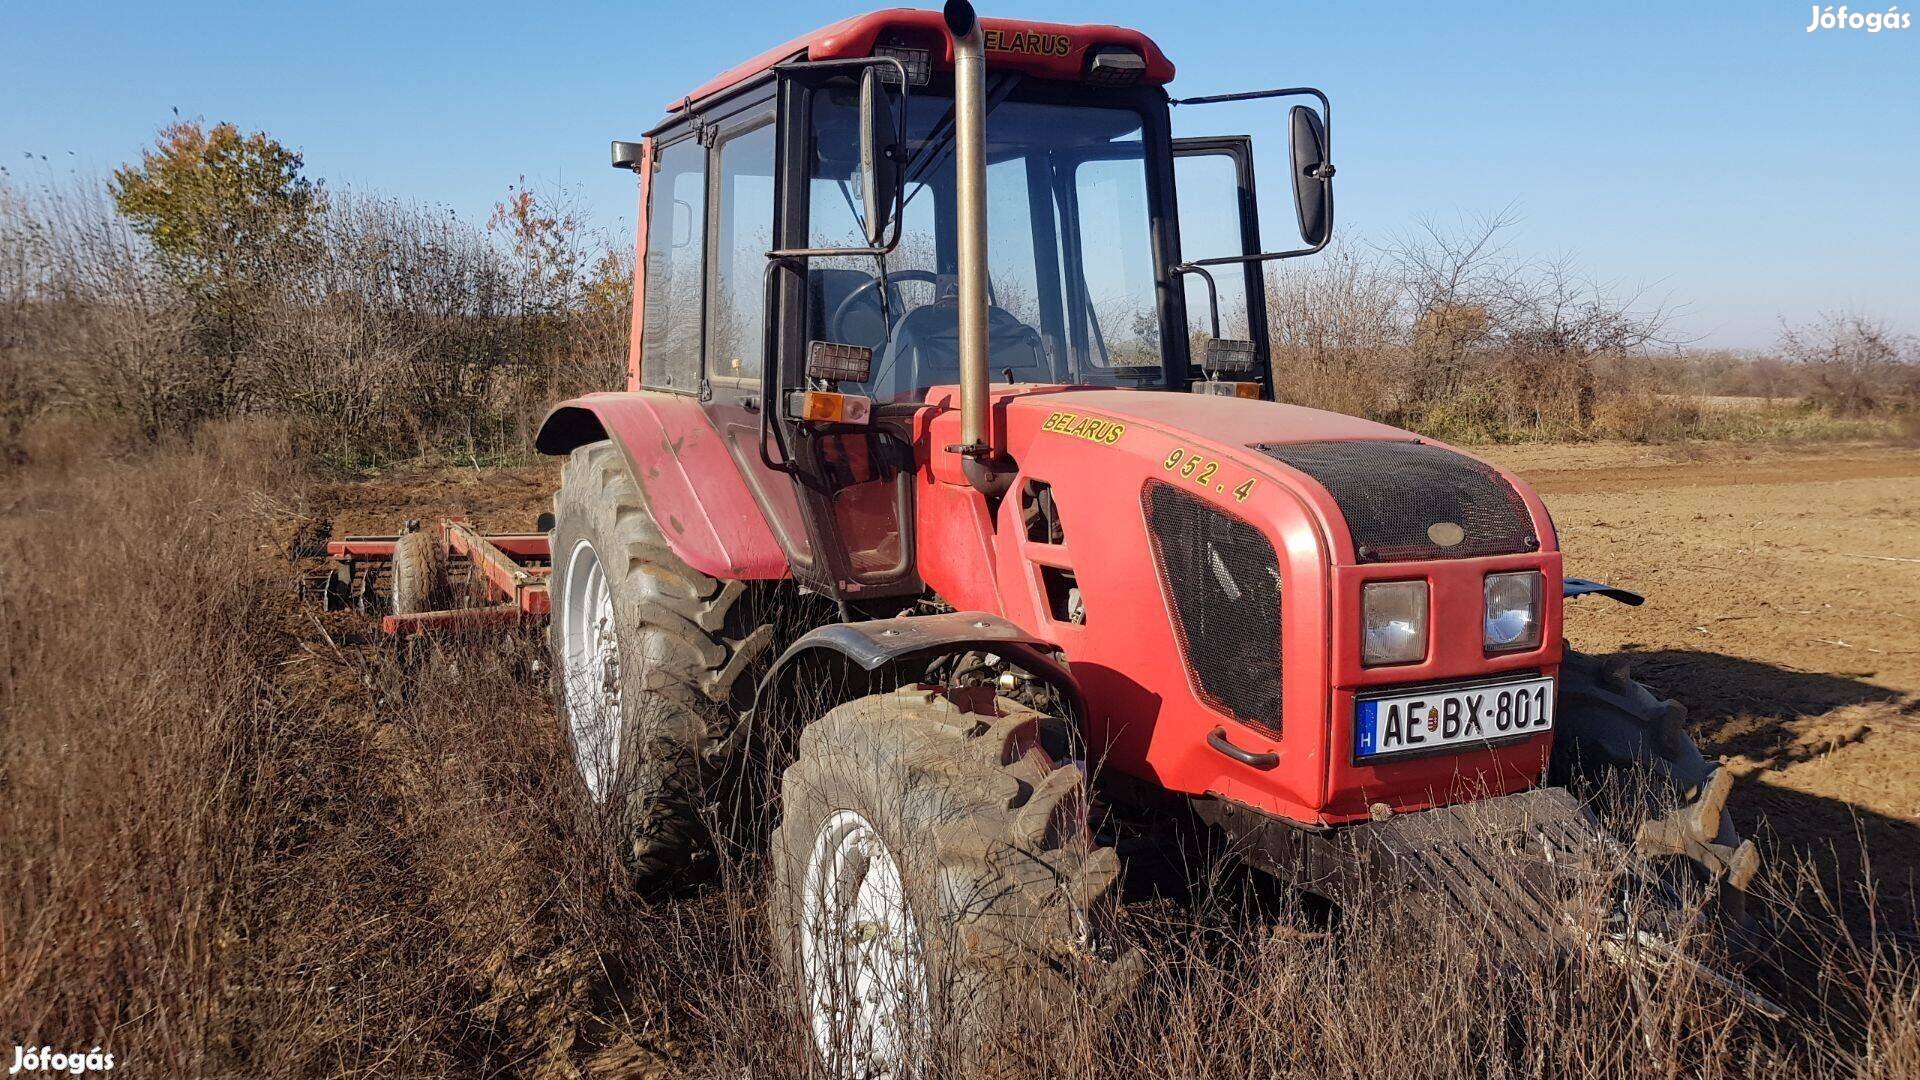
(932, 865)
(647, 652)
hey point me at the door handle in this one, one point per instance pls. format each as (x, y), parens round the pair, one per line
(1217, 738)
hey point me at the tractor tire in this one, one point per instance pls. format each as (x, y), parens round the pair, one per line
(420, 581)
(932, 866)
(1615, 737)
(647, 652)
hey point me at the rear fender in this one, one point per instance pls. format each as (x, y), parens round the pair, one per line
(691, 483)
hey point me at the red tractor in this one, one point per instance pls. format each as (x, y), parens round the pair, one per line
(949, 486)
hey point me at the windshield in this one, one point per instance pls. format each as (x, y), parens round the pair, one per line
(1070, 259)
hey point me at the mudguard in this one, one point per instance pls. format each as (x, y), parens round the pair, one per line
(876, 643)
(692, 485)
(1607, 720)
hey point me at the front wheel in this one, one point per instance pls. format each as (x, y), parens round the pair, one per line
(932, 864)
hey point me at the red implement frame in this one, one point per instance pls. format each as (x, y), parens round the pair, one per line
(508, 569)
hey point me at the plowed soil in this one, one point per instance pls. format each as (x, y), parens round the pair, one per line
(1783, 608)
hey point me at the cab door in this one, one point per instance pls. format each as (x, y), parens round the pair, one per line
(853, 484)
(1219, 217)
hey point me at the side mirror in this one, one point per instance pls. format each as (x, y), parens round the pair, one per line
(628, 155)
(1312, 175)
(881, 158)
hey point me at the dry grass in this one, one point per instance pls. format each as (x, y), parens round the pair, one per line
(142, 745)
(1449, 333)
(243, 841)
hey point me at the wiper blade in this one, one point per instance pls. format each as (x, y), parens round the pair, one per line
(940, 140)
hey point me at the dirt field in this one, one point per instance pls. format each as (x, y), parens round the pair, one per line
(1783, 607)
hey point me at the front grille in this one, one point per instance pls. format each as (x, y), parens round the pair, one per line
(1222, 582)
(1413, 500)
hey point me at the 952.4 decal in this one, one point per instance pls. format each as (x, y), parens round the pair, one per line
(1205, 472)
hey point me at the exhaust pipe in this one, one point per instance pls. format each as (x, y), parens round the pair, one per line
(970, 166)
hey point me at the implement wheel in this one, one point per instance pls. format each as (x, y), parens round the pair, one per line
(646, 653)
(420, 581)
(933, 864)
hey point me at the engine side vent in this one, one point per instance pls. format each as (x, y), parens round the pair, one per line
(1222, 581)
(1414, 500)
(1041, 517)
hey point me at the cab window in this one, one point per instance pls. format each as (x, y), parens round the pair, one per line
(676, 241)
(743, 236)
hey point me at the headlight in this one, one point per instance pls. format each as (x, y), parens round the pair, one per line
(1393, 622)
(1513, 611)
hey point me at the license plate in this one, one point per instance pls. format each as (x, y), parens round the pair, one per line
(1422, 721)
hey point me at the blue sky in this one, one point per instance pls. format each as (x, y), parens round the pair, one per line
(1714, 153)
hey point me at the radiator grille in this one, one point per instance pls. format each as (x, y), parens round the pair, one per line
(1222, 582)
(1409, 500)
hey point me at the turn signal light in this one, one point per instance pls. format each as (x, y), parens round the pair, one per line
(1221, 388)
(820, 406)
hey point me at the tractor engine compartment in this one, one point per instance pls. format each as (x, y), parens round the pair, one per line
(1216, 624)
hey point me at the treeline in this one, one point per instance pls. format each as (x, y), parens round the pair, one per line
(212, 279)
(1445, 331)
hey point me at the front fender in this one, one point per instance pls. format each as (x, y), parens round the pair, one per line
(680, 462)
(918, 639)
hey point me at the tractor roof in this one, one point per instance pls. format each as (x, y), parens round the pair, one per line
(1048, 50)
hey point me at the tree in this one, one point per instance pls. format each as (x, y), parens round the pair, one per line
(231, 223)
(225, 211)
(1857, 364)
(547, 239)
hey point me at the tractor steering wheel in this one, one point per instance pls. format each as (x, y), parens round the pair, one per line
(846, 303)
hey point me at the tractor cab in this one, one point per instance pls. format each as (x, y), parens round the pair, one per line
(802, 257)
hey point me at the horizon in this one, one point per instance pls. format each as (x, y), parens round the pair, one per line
(1656, 155)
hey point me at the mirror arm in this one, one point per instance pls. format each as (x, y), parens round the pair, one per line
(1323, 174)
(1265, 256)
(1326, 107)
(1213, 292)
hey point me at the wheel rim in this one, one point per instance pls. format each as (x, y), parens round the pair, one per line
(861, 953)
(590, 650)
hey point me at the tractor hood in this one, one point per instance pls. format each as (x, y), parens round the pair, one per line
(1223, 420)
(1200, 561)
(1377, 493)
